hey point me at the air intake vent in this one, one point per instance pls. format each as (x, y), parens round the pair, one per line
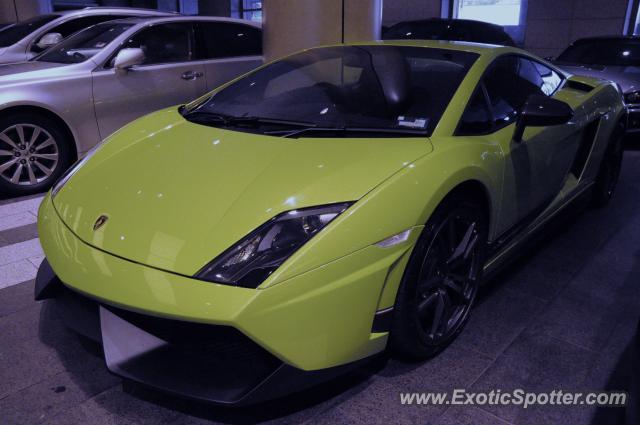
(586, 143)
(579, 86)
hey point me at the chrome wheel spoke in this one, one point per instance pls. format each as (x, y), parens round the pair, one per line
(4, 167)
(46, 143)
(51, 156)
(5, 153)
(20, 131)
(8, 140)
(34, 136)
(47, 172)
(16, 175)
(32, 176)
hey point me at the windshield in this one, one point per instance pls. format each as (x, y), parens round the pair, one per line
(85, 44)
(13, 33)
(384, 87)
(603, 52)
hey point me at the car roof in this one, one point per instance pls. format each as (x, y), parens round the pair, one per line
(113, 10)
(141, 20)
(456, 21)
(608, 38)
(465, 46)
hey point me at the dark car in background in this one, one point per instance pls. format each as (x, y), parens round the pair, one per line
(449, 29)
(615, 58)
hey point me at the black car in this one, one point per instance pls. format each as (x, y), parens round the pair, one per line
(449, 29)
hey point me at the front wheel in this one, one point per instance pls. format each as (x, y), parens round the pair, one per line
(33, 154)
(441, 280)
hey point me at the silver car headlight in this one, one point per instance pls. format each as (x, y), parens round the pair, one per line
(251, 260)
(66, 176)
(632, 98)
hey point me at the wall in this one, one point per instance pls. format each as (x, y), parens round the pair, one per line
(402, 10)
(554, 24)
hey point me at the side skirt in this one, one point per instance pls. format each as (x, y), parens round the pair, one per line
(505, 254)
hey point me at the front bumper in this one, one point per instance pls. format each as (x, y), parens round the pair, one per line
(314, 322)
(212, 363)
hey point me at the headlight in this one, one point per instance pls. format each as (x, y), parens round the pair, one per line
(250, 261)
(66, 176)
(632, 97)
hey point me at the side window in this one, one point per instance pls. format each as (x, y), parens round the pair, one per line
(476, 118)
(227, 40)
(74, 25)
(502, 88)
(550, 79)
(509, 82)
(164, 43)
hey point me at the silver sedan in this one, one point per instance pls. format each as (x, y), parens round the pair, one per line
(23, 40)
(64, 101)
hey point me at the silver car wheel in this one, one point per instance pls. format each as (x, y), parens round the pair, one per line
(28, 154)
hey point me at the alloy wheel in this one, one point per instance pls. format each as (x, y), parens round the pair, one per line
(448, 279)
(28, 154)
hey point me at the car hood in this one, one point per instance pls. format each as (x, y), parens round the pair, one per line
(178, 194)
(627, 76)
(26, 70)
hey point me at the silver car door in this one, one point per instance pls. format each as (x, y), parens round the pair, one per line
(230, 49)
(168, 76)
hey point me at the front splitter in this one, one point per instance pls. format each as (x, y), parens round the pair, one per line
(211, 363)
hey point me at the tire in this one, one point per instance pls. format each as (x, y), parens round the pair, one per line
(34, 152)
(609, 172)
(433, 283)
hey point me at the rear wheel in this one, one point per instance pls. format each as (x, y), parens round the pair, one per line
(34, 153)
(609, 173)
(441, 281)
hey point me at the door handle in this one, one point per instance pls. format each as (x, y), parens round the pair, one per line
(191, 75)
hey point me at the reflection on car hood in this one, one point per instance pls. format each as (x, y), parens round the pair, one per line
(25, 70)
(627, 76)
(177, 194)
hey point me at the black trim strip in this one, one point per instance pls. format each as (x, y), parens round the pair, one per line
(382, 320)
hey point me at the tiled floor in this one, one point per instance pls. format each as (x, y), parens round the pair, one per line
(562, 317)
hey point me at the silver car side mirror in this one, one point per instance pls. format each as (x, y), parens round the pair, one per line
(50, 39)
(126, 58)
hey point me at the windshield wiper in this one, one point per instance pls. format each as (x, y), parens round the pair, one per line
(230, 120)
(368, 130)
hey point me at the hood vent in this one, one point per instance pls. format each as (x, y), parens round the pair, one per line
(579, 86)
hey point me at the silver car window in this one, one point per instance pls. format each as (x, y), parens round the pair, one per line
(84, 44)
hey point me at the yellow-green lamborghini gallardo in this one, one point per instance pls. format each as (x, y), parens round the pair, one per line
(326, 207)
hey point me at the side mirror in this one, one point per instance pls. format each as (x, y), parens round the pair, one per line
(49, 39)
(541, 111)
(126, 58)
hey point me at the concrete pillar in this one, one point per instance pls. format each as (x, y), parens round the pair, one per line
(289, 26)
(19, 10)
